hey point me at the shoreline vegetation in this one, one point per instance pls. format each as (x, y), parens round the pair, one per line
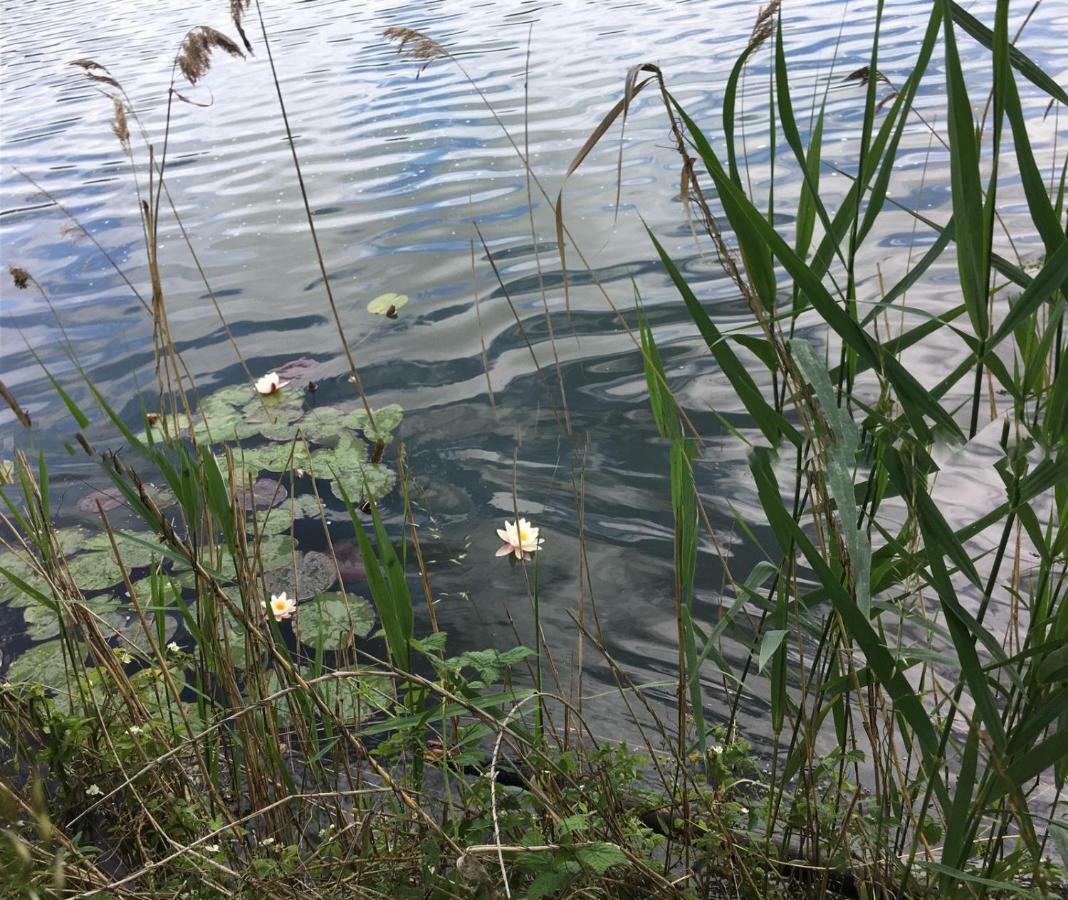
(211, 709)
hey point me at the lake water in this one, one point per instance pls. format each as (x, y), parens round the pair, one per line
(399, 170)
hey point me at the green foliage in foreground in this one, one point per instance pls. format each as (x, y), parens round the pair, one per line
(915, 684)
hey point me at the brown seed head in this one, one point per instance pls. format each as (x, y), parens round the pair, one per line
(415, 45)
(20, 276)
(194, 55)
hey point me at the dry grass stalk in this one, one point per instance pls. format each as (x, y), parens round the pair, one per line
(863, 75)
(238, 8)
(88, 64)
(106, 79)
(194, 55)
(415, 45)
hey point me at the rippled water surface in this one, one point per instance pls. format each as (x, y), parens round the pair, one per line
(399, 170)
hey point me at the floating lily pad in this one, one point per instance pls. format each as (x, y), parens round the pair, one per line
(219, 563)
(42, 622)
(131, 633)
(315, 572)
(70, 539)
(351, 697)
(351, 469)
(249, 463)
(279, 519)
(131, 546)
(372, 482)
(333, 620)
(235, 642)
(238, 412)
(95, 571)
(276, 551)
(381, 305)
(44, 664)
(11, 593)
(387, 419)
(112, 498)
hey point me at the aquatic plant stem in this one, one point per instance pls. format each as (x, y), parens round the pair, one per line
(311, 220)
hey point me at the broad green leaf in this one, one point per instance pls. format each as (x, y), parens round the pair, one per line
(333, 620)
(382, 303)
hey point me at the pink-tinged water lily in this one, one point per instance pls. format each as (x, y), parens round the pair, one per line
(282, 606)
(521, 539)
(270, 383)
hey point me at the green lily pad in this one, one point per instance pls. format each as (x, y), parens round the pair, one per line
(352, 697)
(42, 622)
(238, 412)
(387, 420)
(94, 571)
(131, 633)
(44, 664)
(315, 572)
(381, 304)
(351, 469)
(10, 593)
(249, 463)
(235, 642)
(134, 553)
(373, 482)
(279, 519)
(333, 620)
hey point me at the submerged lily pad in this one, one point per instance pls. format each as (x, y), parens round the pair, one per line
(314, 573)
(382, 304)
(332, 620)
(264, 493)
(44, 664)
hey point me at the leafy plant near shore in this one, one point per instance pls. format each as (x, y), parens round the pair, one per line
(170, 736)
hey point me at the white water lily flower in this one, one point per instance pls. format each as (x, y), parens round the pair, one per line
(270, 383)
(282, 606)
(521, 539)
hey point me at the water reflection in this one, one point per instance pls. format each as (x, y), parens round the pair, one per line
(399, 168)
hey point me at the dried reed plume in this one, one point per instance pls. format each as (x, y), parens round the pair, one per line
(415, 45)
(119, 124)
(194, 55)
(92, 68)
(20, 276)
(863, 75)
(238, 8)
(764, 25)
